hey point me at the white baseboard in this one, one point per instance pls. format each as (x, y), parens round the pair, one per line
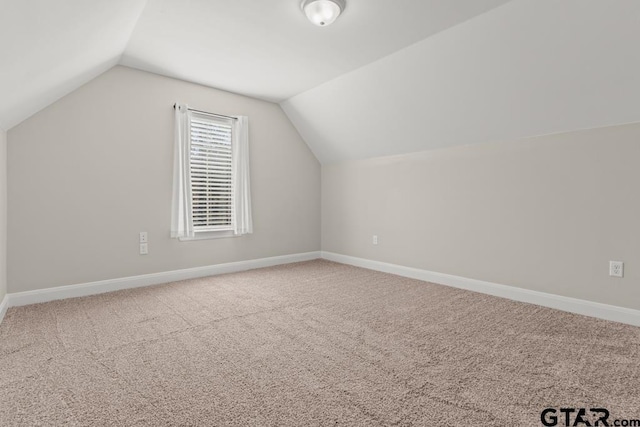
(92, 288)
(4, 306)
(572, 305)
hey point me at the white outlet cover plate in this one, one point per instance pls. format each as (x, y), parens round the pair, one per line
(616, 269)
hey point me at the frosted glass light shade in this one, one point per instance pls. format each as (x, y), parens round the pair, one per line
(322, 12)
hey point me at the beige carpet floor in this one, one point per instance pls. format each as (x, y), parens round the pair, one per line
(313, 343)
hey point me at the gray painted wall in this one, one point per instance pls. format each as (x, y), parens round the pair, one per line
(91, 171)
(3, 214)
(545, 213)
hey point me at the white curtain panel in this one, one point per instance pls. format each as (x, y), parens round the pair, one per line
(181, 218)
(242, 222)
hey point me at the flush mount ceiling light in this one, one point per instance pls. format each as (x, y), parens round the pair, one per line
(322, 12)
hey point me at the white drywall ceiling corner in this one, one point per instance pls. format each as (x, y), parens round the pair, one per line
(527, 68)
(50, 48)
(265, 49)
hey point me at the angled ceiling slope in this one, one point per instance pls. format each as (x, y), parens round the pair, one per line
(266, 49)
(527, 68)
(50, 48)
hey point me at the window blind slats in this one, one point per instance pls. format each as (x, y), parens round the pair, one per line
(211, 186)
(210, 162)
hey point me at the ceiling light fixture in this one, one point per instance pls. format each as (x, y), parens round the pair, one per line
(322, 12)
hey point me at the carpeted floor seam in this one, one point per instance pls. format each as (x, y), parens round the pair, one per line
(196, 327)
(173, 310)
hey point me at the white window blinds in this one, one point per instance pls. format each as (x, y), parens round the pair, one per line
(211, 173)
(211, 179)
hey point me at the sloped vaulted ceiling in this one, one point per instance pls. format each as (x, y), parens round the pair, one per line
(49, 48)
(261, 48)
(388, 77)
(530, 67)
(267, 48)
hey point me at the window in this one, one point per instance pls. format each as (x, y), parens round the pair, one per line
(211, 191)
(210, 171)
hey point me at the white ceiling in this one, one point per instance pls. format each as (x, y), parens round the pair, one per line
(530, 67)
(267, 49)
(261, 48)
(388, 77)
(50, 48)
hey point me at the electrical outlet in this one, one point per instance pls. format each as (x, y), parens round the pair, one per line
(143, 237)
(616, 268)
(144, 248)
(375, 240)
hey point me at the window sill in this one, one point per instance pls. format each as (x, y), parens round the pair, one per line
(206, 235)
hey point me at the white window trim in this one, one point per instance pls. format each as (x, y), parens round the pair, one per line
(182, 226)
(207, 235)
